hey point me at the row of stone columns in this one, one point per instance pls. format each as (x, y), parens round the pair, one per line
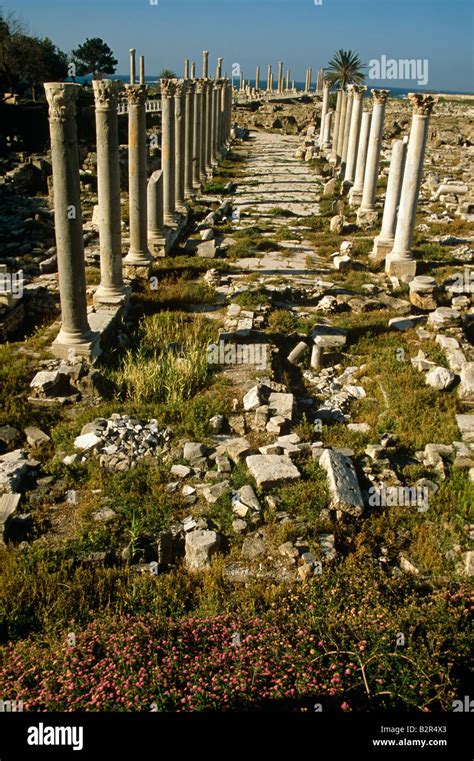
(196, 126)
(356, 145)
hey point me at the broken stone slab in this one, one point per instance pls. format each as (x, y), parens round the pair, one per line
(9, 436)
(271, 470)
(406, 323)
(237, 449)
(252, 399)
(87, 441)
(200, 547)
(194, 450)
(8, 505)
(444, 317)
(440, 378)
(36, 437)
(421, 363)
(245, 501)
(182, 471)
(213, 493)
(466, 386)
(14, 467)
(253, 547)
(358, 427)
(50, 383)
(346, 495)
(282, 404)
(466, 426)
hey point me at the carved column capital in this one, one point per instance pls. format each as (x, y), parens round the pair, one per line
(422, 104)
(61, 97)
(136, 94)
(380, 96)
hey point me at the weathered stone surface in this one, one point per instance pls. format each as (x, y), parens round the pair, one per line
(466, 426)
(281, 404)
(253, 547)
(440, 378)
(466, 386)
(36, 437)
(252, 399)
(48, 384)
(87, 441)
(201, 545)
(237, 449)
(444, 317)
(14, 466)
(193, 450)
(212, 493)
(343, 484)
(9, 436)
(270, 470)
(8, 505)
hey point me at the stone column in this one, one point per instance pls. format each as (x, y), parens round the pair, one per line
(75, 333)
(203, 151)
(156, 231)
(324, 110)
(366, 214)
(288, 80)
(383, 243)
(257, 79)
(355, 193)
(229, 113)
(197, 135)
(326, 143)
(310, 77)
(132, 66)
(142, 69)
(138, 254)
(205, 64)
(347, 128)
(242, 83)
(111, 289)
(186, 68)
(271, 83)
(400, 262)
(222, 117)
(193, 70)
(342, 124)
(269, 75)
(280, 77)
(219, 68)
(215, 121)
(168, 87)
(209, 120)
(179, 144)
(356, 117)
(337, 119)
(189, 139)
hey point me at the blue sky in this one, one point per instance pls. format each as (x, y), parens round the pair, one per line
(251, 32)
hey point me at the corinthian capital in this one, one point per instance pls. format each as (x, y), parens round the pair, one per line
(61, 97)
(168, 87)
(105, 94)
(422, 104)
(136, 94)
(380, 96)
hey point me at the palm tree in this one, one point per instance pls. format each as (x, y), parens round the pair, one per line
(345, 68)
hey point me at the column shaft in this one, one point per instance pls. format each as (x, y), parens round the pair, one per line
(111, 289)
(179, 145)
(366, 213)
(168, 87)
(75, 332)
(355, 193)
(383, 243)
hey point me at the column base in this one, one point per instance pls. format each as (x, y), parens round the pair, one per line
(110, 297)
(86, 344)
(156, 245)
(181, 207)
(355, 197)
(346, 186)
(135, 271)
(367, 217)
(404, 269)
(171, 220)
(382, 247)
(138, 258)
